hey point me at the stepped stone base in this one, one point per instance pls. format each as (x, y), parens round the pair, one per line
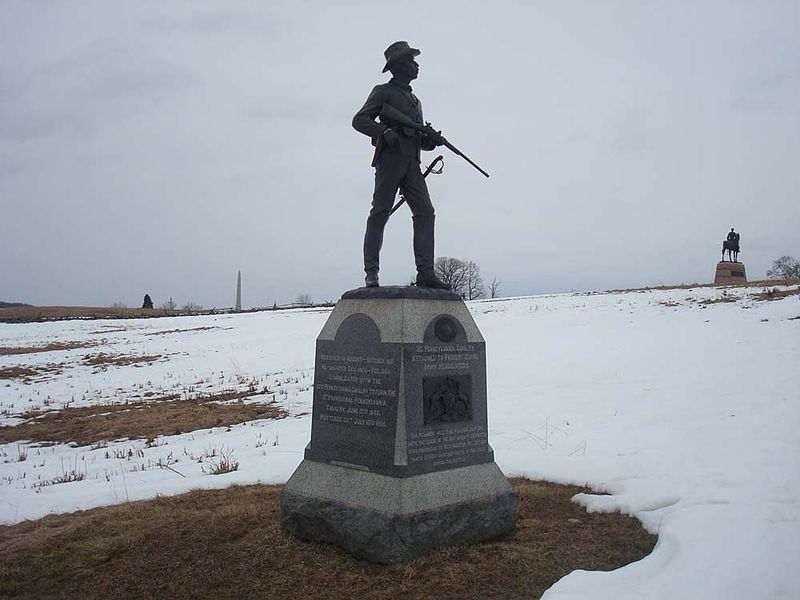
(730, 273)
(393, 520)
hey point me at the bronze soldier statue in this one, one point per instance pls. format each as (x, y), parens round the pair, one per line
(397, 164)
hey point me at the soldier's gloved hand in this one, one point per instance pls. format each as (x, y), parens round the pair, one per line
(391, 139)
(435, 138)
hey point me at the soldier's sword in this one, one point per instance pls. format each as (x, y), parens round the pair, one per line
(431, 169)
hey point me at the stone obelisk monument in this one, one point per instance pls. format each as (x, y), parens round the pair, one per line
(238, 307)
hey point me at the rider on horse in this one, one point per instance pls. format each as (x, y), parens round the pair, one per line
(731, 244)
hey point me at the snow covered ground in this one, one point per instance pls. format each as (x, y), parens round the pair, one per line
(687, 412)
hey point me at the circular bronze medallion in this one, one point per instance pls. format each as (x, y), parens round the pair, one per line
(445, 329)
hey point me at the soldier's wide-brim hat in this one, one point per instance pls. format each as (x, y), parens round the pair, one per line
(398, 51)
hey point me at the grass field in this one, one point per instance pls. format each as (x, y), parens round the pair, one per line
(228, 543)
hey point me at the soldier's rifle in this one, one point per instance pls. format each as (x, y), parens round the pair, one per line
(393, 114)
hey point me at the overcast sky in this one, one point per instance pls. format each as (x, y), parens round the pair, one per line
(158, 147)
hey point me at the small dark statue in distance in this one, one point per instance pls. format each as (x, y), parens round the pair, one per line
(397, 163)
(731, 246)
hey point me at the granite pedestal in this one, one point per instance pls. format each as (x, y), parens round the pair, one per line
(730, 273)
(399, 460)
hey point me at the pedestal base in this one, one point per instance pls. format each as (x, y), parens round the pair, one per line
(399, 460)
(392, 520)
(730, 273)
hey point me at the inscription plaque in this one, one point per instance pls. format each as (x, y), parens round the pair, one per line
(447, 446)
(445, 387)
(356, 391)
(356, 385)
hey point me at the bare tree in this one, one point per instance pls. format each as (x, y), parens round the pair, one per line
(191, 306)
(474, 282)
(119, 305)
(450, 270)
(304, 300)
(785, 267)
(464, 276)
(169, 304)
(494, 287)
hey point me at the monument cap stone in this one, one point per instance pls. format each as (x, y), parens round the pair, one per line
(400, 292)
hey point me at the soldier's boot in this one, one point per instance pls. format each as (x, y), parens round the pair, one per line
(373, 240)
(430, 280)
(371, 280)
(423, 253)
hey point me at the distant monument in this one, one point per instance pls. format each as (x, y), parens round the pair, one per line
(148, 303)
(730, 272)
(399, 461)
(238, 307)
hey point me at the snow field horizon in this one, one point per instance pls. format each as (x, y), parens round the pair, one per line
(682, 404)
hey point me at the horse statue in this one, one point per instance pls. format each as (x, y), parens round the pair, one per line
(731, 245)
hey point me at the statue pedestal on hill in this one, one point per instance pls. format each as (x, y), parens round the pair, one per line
(399, 460)
(730, 273)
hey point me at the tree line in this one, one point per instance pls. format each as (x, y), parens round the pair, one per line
(785, 267)
(464, 277)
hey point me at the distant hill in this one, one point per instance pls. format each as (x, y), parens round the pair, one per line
(13, 304)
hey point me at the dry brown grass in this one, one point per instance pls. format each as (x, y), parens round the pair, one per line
(773, 293)
(718, 300)
(688, 286)
(28, 373)
(138, 420)
(776, 294)
(167, 331)
(108, 329)
(120, 360)
(26, 314)
(16, 372)
(101, 361)
(228, 543)
(52, 347)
